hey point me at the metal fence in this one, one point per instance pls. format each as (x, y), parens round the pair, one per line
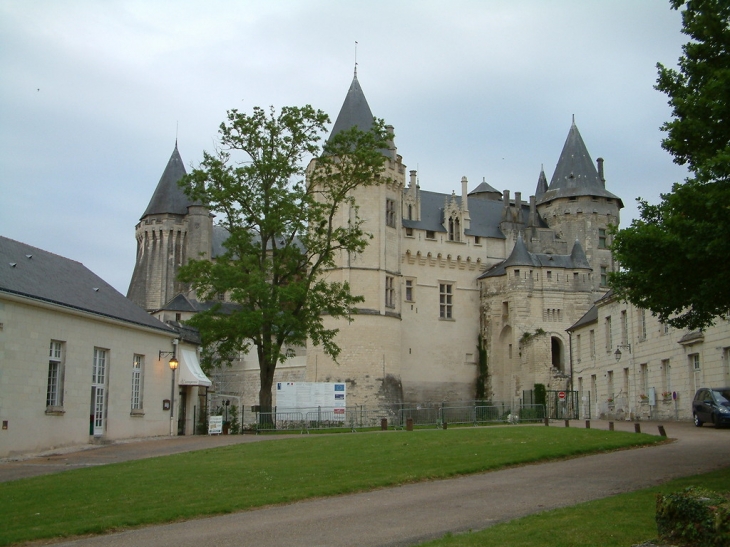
(361, 417)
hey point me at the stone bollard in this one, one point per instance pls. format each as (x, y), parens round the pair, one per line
(547, 421)
(610, 426)
(567, 423)
(637, 428)
(384, 424)
(588, 424)
(661, 431)
(409, 424)
(446, 425)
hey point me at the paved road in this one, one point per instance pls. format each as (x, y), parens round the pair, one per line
(413, 513)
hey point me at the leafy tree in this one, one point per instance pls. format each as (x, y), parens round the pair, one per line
(284, 221)
(675, 256)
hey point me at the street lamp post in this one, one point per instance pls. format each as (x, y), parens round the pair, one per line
(173, 367)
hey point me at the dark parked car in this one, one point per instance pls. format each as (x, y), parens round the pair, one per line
(712, 405)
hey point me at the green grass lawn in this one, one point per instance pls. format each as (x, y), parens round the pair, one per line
(618, 521)
(244, 476)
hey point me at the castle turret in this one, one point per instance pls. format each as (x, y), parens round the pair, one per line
(172, 229)
(577, 206)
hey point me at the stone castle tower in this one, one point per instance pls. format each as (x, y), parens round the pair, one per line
(172, 230)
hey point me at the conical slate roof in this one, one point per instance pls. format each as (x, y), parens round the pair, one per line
(168, 196)
(355, 110)
(484, 190)
(575, 174)
(519, 256)
(578, 256)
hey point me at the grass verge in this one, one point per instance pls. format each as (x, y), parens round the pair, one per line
(235, 478)
(618, 521)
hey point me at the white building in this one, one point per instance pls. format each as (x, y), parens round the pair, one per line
(628, 365)
(79, 362)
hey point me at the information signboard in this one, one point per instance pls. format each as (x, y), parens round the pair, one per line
(307, 396)
(215, 425)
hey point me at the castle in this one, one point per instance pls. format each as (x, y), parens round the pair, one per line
(465, 295)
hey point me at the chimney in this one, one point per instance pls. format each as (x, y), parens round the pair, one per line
(518, 207)
(464, 194)
(391, 134)
(599, 163)
(412, 182)
(532, 219)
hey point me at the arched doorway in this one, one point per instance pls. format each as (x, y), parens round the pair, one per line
(556, 347)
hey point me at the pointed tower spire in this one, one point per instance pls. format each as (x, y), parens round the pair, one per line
(575, 174)
(542, 184)
(168, 196)
(355, 110)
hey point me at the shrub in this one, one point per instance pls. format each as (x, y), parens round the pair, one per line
(695, 516)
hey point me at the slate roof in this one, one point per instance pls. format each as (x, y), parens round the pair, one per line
(520, 256)
(486, 214)
(575, 174)
(182, 303)
(39, 275)
(168, 196)
(485, 191)
(591, 316)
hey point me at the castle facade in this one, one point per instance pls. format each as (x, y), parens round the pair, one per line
(467, 294)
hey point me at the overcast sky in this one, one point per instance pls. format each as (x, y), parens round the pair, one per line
(93, 95)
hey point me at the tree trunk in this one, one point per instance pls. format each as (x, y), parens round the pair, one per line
(266, 417)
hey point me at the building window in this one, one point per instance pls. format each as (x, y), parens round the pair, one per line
(409, 290)
(666, 378)
(477, 240)
(137, 375)
(389, 292)
(592, 340)
(695, 359)
(609, 334)
(665, 328)
(390, 212)
(54, 389)
(410, 212)
(517, 273)
(454, 229)
(409, 232)
(579, 350)
(602, 238)
(642, 320)
(445, 300)
(644, 371)
(430, 234)
(609, 384)
(549, 275)
(505, 310)
(604, 276)
(624, 328)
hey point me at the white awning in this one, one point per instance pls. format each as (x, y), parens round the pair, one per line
(190, 372)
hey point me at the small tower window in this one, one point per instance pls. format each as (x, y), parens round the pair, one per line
(390, 213)
(601, 238)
